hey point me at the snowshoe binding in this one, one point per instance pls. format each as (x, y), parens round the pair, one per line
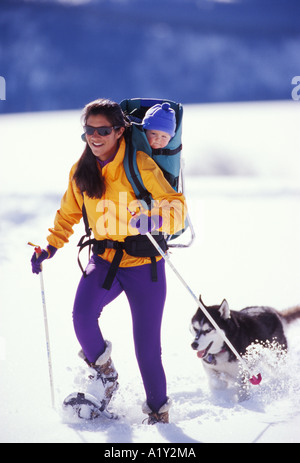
(87, 407)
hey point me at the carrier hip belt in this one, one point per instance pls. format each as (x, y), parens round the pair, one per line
(137, 246)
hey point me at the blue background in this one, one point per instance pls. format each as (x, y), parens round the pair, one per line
(56, 55)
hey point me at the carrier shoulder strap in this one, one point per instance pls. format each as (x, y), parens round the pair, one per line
(132, 172)
(88, 230)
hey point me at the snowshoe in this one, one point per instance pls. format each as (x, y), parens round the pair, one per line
(87, 407)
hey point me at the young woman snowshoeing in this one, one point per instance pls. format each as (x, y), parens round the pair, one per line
(99, 183)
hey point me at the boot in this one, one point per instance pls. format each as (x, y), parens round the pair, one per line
(105, 373)
(162, 416)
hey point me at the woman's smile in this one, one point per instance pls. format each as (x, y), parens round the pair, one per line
(103, 147)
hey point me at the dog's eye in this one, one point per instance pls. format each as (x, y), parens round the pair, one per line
(193, 330)
(207, 331)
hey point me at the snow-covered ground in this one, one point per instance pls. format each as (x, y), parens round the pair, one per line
(243, 191)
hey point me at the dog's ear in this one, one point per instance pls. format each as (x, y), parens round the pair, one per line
(200, 299)
(224, 310)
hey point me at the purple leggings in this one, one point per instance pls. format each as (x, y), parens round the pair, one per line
(146, 299)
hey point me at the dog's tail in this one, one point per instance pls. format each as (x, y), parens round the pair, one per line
(291, 314)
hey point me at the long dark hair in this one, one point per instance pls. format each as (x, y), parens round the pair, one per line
(88, 176)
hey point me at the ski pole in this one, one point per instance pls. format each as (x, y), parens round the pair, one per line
(253, 379)
(38, 252)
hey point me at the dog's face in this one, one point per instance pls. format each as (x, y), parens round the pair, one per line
(207, 339)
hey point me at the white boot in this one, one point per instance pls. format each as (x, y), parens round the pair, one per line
(105, 372)
(162, 416)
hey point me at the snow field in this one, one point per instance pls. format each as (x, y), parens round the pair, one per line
(246, 250)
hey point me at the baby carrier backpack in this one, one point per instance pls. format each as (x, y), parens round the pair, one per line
(169, 159)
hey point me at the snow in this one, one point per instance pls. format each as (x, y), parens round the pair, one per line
(247, 250)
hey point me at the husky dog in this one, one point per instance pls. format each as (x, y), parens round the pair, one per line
(242, 328)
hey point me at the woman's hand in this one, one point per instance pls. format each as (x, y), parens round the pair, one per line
(37, 259)
(146, 224)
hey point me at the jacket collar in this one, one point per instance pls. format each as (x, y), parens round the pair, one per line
(112, 168)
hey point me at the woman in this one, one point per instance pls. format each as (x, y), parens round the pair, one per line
(98, 181)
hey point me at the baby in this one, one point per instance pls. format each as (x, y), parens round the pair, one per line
(160, 125)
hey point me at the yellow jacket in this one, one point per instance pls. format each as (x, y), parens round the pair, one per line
(109, 217)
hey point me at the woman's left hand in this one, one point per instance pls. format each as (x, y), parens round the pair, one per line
(37, 259)
(146, 224)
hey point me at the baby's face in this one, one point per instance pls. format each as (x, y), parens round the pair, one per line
(157, 139)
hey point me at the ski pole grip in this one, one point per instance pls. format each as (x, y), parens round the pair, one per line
(37, 248)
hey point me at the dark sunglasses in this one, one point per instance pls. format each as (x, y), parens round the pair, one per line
(103, 131)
